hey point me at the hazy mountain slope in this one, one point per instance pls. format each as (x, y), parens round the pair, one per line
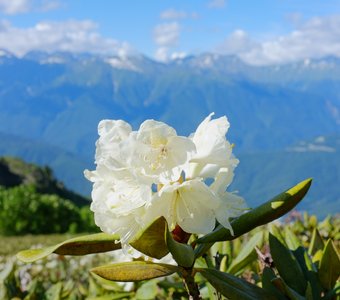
(14, 172)
(260, 176)
(67, 167)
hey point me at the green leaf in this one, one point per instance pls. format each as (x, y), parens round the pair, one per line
(234, 288)
(115, 296)
(267, 277)
(281, 285)
(9, 285)
(134, 271)
(287, 265)
(183, 254)
(309, 292)
(151, 241)
(94, 288)
(309, 263)
(332, 294)
(301, 257)
(223, 263)
(291, 239)
(329, 268)
(277, 232)
(317, 256)
(261, 215)
(54, 292)
(315, 284)
(200, 249)
(93, 243)
(316, 243)
(147, 291)
(68, 287)
(247, 254)
(171, 285)
(309, 271)
(313, 221)
(211, 294)
(105, 284)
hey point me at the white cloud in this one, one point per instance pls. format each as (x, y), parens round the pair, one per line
(173, 14)
(217, 3)
(73, 36)
(47, 5)
(316, 38)
(13, 7)
(294, 18)
(166, 34)
(237, 43)
(178, 55)
(162, 54)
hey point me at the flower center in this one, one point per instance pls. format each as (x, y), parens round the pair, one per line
(161, 156)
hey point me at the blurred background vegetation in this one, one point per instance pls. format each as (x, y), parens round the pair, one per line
(65, 277)
(32, 201)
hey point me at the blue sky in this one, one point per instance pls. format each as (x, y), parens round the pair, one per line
(259, 32)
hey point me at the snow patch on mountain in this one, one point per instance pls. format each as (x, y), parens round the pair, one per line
(122, 63)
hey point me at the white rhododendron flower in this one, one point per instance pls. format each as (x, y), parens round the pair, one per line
(131, 164)
(158, 152)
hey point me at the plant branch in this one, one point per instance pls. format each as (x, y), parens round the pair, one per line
(190, 284)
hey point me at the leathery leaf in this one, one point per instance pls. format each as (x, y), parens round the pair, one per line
(87, 244)
(151, 241)
(134, 271)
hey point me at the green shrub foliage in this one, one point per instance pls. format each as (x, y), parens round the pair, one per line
(23, 210)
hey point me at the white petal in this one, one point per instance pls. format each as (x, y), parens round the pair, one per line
(114, 130)
(231, 206)
(236, 204)
(222, 180)
(213, 150)
(194, 217)
(125, 226)
(200, 192)
(111, 134)
(190, 205)
(195, 207)
(163, 204)
(181, 149)
(154, 132)
(90, 175)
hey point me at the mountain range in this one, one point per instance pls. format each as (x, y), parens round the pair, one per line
(285, 119)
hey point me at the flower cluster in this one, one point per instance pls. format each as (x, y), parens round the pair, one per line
(142, 175)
